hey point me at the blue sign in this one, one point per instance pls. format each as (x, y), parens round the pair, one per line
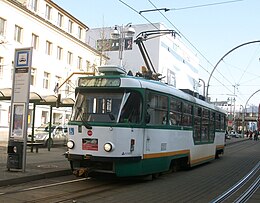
(71, 131)
(22, 58)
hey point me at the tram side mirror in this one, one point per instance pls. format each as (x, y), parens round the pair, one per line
(58, 101)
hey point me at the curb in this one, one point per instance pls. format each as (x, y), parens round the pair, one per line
(25, 179)
(237, 141)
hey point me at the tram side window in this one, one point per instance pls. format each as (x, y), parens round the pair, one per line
(218, 121)
(197, 124)
(222, 122)
(175, 112)
(187, 114)
(212, 127)
(157, 109)
(205, 125)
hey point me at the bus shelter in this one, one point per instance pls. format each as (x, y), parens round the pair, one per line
(37, 99)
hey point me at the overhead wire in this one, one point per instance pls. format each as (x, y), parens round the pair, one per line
(193, 46)
(256, 52)
(204, 5)
(139, 14)
(181, 34)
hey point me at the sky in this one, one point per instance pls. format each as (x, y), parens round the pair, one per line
(210, 28)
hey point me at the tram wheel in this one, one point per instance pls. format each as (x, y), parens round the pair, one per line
(155, 175)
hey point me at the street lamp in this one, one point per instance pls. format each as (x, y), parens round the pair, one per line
(121, 33)
(243, 120)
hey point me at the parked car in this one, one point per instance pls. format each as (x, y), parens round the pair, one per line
(59, 135)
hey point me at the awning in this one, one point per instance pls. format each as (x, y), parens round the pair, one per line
(6, 94)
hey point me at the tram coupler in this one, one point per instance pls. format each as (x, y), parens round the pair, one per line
(82, 172)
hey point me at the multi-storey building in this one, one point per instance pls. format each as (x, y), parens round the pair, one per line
(169, 55)
(59, 48)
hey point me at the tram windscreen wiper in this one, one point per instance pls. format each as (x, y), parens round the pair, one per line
(84, 121)
(112, 117)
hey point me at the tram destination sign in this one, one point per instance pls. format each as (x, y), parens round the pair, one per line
(99, 82)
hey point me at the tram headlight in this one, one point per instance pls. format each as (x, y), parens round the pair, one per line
(109, 147)
(70, 144)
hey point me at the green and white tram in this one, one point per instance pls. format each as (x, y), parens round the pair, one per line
(131, 126)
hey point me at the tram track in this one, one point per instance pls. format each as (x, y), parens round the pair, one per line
(199, 184)
(93, 188)
(247, 193)
(228, 169)
(75, 194)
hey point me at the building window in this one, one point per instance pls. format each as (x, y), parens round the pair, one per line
(60, 20)
(18, 34)
(46, 80)
(88, 65)
(70, 26)
(79, 32)
(33, 76)
(48, 12)
(79, 63)
(59, 53)
(69, 58)
(35, 41)
(2, 26)
(48, 48)
(1, 67)
(34, 5)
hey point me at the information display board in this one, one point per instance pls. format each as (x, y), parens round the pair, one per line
(19, 109)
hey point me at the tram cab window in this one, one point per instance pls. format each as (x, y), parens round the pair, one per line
(157, 109)
(97, 107)
(131, 108)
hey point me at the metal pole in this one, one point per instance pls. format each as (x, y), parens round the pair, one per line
(50, 127)
(246, 105)
(257, 41)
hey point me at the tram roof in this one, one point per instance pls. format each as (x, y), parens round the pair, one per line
(140, 82)
(168, 89)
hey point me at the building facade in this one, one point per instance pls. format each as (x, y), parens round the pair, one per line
(169, 55)
(59, 49)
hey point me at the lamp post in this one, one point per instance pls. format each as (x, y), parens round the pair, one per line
(232, 111)
(242, 116)
(121, 33)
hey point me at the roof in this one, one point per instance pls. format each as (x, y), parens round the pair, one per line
(6, 94)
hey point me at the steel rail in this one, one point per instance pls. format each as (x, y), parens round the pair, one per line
(237, 186)
(249, 192)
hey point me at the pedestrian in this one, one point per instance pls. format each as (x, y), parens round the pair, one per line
(250, 135)
(255, 135)
(247, 133)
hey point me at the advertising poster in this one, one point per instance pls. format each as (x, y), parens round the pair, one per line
(18, 119)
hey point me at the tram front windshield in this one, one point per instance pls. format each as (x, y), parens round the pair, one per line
(111, 107)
